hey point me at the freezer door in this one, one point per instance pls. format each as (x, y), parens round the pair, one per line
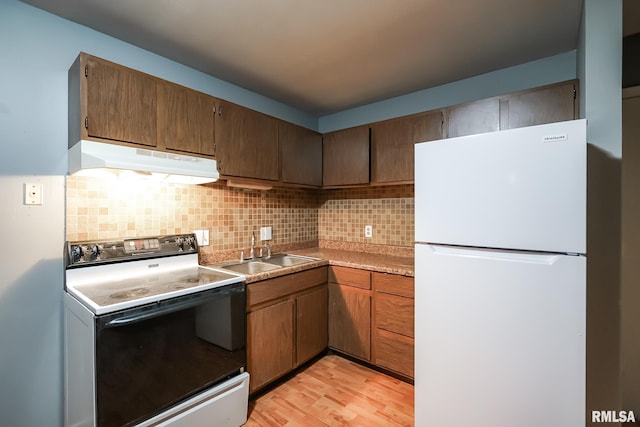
(499, 338)
(516, 189)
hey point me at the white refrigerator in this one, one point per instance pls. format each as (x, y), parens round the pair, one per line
(500, 278)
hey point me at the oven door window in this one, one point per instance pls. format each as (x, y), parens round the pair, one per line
(152, 357)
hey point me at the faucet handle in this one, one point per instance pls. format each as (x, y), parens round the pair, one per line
(266, 245)
(241, 255)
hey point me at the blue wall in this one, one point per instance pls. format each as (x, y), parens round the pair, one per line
(600, 71)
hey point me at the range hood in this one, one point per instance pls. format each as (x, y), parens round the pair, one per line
(86, 156)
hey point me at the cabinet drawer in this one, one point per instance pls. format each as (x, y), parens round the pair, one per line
(394, 352)
(350, 277)
(279, 287)
(394, 314)
(393, 284)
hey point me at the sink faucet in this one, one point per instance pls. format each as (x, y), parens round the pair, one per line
(252, 253)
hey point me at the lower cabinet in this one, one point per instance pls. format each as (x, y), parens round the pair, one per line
(270, 342)
(393, 319)
(311, 324)
(286, 324)
(293, 318)
(350, 311)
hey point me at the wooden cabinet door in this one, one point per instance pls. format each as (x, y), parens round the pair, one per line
(121, 103)
(345, 157)
(187, 120)
(350, 320)
(270, 352)
(311, 324)
(549, 104)
(246, 142)
(300, 155)
(473, 117)
(392, 145)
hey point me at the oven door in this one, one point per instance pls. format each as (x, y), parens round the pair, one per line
(152, 357)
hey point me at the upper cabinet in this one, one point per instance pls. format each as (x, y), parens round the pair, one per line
(115, 104)
(473, 117)
(345, 156)
(546, 104)
(111, 102)
(246, 143)
(537, 106)
(300, 155)
(392, 144)
(187, 119)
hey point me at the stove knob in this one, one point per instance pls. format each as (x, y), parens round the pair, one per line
(180, 243)
(191, 242)
(77, 253)
(95, 252)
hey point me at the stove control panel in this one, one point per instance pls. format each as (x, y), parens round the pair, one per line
(94, 252)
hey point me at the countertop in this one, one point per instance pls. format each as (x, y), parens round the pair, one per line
(392, 264)
(367, 261)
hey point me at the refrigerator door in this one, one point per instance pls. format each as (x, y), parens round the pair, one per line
(499, 338)
(515, 189)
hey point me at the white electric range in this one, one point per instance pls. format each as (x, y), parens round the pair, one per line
(152, 338)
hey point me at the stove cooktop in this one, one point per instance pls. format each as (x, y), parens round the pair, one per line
(109, 292)
(118, 291)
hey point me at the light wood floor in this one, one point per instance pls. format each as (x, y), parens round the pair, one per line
(335, 392)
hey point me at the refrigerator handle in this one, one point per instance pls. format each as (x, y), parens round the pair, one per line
(497, 254)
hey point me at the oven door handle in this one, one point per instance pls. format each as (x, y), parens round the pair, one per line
(166, 308)
(154, 312)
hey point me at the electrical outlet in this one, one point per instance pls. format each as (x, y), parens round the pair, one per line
(32, 193)
(368, 231)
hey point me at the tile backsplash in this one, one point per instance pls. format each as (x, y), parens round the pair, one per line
(344, 213)
(99, 208)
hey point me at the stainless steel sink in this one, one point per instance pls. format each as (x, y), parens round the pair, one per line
(251, 267)
(285, 260)
(261, 265)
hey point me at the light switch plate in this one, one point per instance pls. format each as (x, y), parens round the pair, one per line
(202, 237)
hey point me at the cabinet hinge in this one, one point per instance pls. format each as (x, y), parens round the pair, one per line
(86, 122)
(86, 71)
(574, 92)
(220, 111)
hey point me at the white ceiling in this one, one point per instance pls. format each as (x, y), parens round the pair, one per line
(324, 56)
